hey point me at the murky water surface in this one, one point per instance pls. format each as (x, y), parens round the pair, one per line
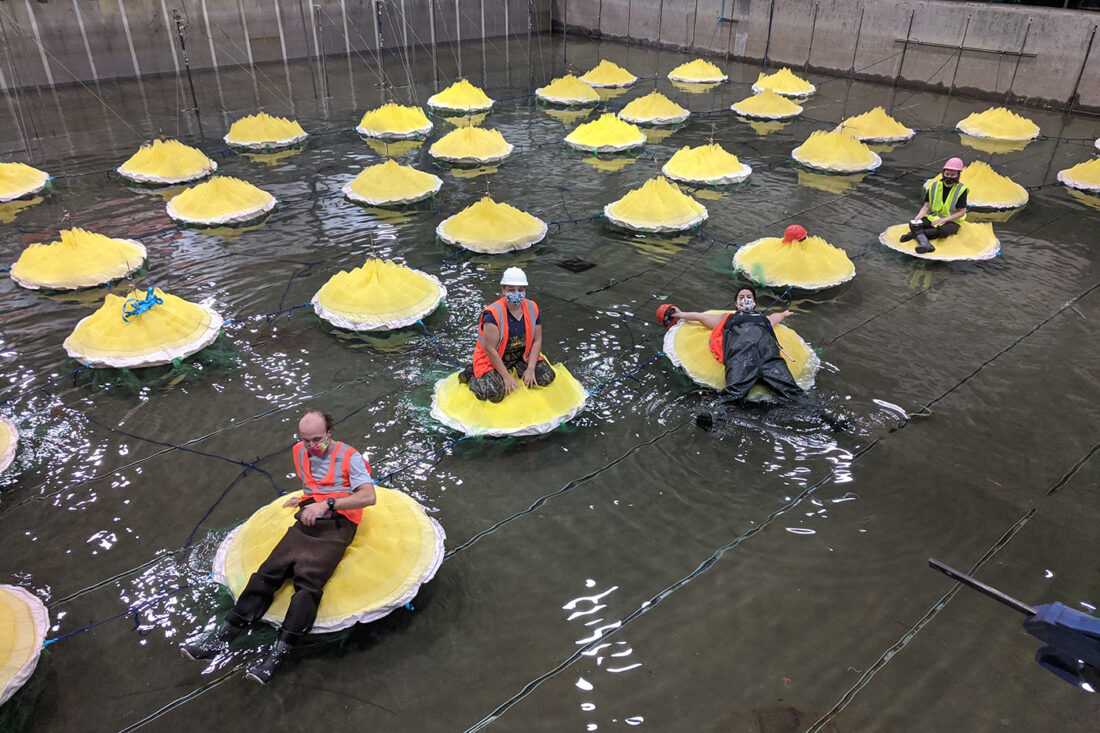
(627, 570)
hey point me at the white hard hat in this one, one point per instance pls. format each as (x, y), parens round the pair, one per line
(514, 276)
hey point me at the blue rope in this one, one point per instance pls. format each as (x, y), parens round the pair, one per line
(132, 610)
(134, 307)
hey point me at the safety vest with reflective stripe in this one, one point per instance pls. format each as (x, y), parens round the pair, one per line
(941, 206)
(339, 453)
(482, 365)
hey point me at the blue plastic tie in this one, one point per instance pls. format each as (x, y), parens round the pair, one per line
(134, 307)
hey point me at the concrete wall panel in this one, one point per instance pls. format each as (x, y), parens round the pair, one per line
(645, 19)
(615, 18)
(678, 23)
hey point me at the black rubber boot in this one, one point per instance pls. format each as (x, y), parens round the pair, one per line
(906, 237)
(465, 375)
(214, 645)
(925, 246)
(263, 669)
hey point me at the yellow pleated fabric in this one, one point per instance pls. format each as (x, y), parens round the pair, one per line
(79, 259)
(974, 241)
(525, 411)
(462, 96)
(221, 200)
(784, 82)
(697, 72)
(608, 74)
(471, 145)
(876, 126)
(608, 134)
(687, 345)
(397, 548)
(379, 296)
(491, 227)
(836, 151)
(172, 330)
(167, 161)
(391, 184)
(394, 122)
(999, 123)
(24, 621)
(811, 264)
(262, 131)
(1085, 176)
(653, 109)
(19, 179)
(567, 89)
(658, 206)
(767, 105)
(710, 164)
(9, 442)
(988, 188)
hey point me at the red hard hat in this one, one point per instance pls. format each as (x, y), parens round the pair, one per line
(954, 164)
(794, 233)
(665, 318)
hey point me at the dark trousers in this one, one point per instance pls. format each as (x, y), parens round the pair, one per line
(934, 232)
(309, 555)
(490, 386)
(751, 355)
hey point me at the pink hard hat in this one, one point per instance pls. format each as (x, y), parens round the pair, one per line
(953, 164)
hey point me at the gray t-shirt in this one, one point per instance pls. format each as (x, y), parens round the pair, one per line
(357, 469)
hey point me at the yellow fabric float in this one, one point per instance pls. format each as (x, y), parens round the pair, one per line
(396, 549)
(171, 329)
(767, 105)
(263, 132)
(221, 200)
(837, 152)
(1084, 176)
(811, 264)
(462, 96)
(9, 442)
(80, 259)
(167, 161)
(653, 109)
(697, 72)
(876, 126)
(391, 184)
(567, 89)
(974, 241)
(988, 188)
(998, 123)
(491, 228)
(24, 621)
(706, 164)
(19, 179)
(608, 74)
(394, 122)
(658, 206)
(784, 82)
(525, 411)
(687, 345)
(608, 134)
(379, 296)
(471, 145)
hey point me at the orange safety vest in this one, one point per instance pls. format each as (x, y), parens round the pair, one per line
(716, 340)
(482, 365)
(338, 453)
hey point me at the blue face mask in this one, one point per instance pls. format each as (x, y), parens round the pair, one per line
(514, 298)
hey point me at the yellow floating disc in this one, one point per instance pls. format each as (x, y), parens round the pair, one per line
(876, 126)
(697, 72)
(19, 179)
(173, 329)
(567, 89)
(167, 161)
(658, 206)
(653, 109)
(706, 164)
(836, 151)
(811, 264)
(767, 105)
(462, 96)
(974, 241)
(687, 345)
(784, 82)
(391, 184)
(492, 228)
(999, 123)
(397, 548)
(262, 131)
(608, 74)
(80, 259)
(394, 122)
(379, 296)
(988, 188)
(471, 145)
(23, 624)
(523, 412)
(9, 441)
(221, 200)
(608, 134)
(1085, 176)
(567, 117)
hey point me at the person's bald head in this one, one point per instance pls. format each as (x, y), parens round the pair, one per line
(315, 426)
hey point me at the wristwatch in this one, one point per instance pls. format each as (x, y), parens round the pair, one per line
(331, 504)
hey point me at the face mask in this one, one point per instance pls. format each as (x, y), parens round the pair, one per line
(318, 450)
(514, 298)
(745, 304)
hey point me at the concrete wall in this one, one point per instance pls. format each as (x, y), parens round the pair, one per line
(863, 39)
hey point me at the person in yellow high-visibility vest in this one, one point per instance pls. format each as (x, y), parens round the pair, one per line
(944, 206)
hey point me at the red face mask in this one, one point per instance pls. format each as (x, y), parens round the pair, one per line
(319, 449)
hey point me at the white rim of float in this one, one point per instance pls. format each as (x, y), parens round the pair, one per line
(991, 205)
(462, 110)
(29, 192)
(605, 148)
(940, 258)
(46, 286)
(658, 229)
(1097, 143)
(888, 139)
(830, 169)
(513, 245)
(540, 429)
(737, 177)
(237, 218)
(41, 618)
(157, 358)
(754, 116)
(13, 444)
(790, 95)
(350, 193)
(620, 85)
(976, 133)
(737, 267)
(350, 325)
(565, 100)
(392, 134)
(267, 144)
(655, 120)
(686, 80)
(144, 178)
(477, 161)
(1079, 185)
